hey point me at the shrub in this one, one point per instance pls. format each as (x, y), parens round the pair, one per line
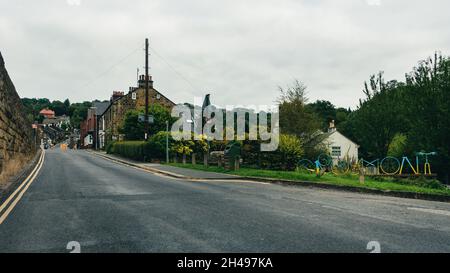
(289, 152)
(398, 145)
(421, 182)
(110, 147)
(130, 149)
(155, 148)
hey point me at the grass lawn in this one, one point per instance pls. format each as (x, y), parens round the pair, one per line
(386, 184)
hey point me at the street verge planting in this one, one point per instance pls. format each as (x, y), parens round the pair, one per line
(416, 185)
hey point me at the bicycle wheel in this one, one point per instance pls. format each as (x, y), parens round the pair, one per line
(390, 165)
(306, 165)
(325, 161)
(342, 167)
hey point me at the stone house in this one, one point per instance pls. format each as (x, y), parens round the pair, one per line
(111, 119)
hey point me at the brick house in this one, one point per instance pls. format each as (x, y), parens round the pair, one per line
(120, 103)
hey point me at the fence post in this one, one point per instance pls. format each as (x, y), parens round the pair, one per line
(362, 171)
(205, 159)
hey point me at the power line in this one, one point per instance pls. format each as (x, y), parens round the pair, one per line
(105, 72)
(174, 70)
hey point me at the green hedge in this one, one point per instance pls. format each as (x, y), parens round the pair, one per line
(130, 149)
(154, 149)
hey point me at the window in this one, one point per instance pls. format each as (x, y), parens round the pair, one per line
(133, 95)
(336, 151)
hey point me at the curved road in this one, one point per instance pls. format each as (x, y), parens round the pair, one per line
(108, 207)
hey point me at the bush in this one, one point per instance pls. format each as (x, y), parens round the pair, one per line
(110, 147)
(421, 182)
(155, 148)
(286, 157)
(291, 150)
(129, 149)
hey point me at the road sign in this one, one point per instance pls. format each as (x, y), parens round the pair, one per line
(151, 119)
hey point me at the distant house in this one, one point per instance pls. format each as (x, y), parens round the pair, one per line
(56, 121)
(89, 128)
(339, 146)
(47, 113)
(111, 119)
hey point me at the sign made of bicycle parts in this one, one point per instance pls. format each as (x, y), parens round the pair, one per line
(389, 165)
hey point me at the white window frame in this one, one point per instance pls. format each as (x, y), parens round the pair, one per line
(336, 151)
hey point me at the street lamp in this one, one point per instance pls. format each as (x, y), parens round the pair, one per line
(167, 142)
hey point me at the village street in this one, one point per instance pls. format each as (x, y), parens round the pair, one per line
(109, 207)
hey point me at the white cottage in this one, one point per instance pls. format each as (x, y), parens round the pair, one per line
(340, 147)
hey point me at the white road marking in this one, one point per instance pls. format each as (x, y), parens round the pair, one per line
(19, 196)
(5, 204)
(434, 211)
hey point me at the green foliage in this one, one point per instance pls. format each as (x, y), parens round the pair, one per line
(304, 120)
(421, 182)
(156, 146)
(398, 145)
(110, 147)
(295, 117)
(200, 145)
(289, 152)
(76, 111)
(133, 129)
(129, 149)
(326, 112)
(419, 109)
(183, 147)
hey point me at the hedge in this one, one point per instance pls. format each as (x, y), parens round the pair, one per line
(130, 149)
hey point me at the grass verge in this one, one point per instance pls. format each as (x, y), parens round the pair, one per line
(384, 184)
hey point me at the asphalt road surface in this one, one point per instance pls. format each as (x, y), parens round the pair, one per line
(109, 207)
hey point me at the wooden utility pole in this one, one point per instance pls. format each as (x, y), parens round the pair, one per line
(146, 91)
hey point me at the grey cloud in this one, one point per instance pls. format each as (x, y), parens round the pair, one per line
(240, 51)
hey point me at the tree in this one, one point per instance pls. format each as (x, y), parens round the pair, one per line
(133, 129)
(59, 108)
(295, 117)
(406, 117)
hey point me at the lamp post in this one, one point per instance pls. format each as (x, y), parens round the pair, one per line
(167, 142)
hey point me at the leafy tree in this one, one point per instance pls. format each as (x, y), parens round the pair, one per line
(325, 112)
(411, 116)
(398, 145)
(295, 117)
(133, 129)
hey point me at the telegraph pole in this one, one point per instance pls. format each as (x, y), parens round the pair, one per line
(146, 90)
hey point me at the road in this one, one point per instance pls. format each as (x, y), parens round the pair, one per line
(108, 207)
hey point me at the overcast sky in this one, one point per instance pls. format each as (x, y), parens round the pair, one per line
(239, 51)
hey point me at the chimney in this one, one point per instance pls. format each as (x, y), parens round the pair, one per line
(117, 95)
(141, 82)
(131, 89)
(332, 127)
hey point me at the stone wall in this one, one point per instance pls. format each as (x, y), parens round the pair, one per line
(16, 136)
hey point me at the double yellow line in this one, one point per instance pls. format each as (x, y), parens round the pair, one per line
(19, 192)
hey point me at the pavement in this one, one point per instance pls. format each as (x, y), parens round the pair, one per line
(167, 169)
(106, 206)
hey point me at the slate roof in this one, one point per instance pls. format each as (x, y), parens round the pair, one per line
(100, 107)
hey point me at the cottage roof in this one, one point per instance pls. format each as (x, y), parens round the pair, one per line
(47, 112)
